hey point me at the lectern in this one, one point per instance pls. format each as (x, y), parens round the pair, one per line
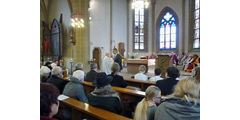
(163, 62)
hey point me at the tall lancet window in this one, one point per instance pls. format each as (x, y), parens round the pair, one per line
(196, 37)
(139, 25)
(168, 31)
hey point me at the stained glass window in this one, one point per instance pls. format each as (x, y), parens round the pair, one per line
(196, 37)
(167, 32)
(139, 25)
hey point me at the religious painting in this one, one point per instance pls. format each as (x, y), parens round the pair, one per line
(121, 49)
(46, 46)
(56, 38)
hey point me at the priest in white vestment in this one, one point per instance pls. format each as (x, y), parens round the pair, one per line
(107, 64)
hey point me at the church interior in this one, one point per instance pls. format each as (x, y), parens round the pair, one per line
(93, 41)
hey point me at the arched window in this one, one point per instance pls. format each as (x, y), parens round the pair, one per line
(196, 37)
(168, 31)
(139, 25)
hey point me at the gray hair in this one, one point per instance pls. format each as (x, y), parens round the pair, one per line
(93, 65)
(79, 74)
(56, 70)
(79, 66)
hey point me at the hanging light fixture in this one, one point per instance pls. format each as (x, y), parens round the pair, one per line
(137, 3)
(77, 21)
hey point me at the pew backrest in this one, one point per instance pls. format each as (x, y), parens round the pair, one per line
(81, 110)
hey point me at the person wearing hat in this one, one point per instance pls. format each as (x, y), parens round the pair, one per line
(117, 58)
(91, 75)
(57, 78)
(75, 90)
(44, 73)
(104, 96)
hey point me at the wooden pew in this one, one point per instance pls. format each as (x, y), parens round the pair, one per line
(143, 85)
(81, 110)
(129, 98)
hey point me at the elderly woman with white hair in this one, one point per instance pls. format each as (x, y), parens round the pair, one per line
(75, 90)
(44, 73)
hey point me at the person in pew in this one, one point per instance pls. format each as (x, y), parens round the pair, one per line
(183, 104)
(57, 78)
(91, 75)
(157, 73)
(44, 73)
(78, 66)
(75, 90)
(117, 79)
(145, 109)
(166, 85)
(141, 75)
(54, 64)
(107, 64)
(104, 96)
(48, 64)
(48, 101)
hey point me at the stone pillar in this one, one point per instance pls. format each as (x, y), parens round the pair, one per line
(82, 34)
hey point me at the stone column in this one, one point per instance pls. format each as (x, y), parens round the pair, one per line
(82, 34)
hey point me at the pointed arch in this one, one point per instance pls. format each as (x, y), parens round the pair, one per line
(167, 27)
(56, 41)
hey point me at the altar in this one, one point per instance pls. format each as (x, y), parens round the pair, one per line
(133, 65)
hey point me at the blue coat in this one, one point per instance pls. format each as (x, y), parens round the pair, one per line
(75, 90)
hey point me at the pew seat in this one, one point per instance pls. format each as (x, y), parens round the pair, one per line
(81, 110)
(143, 85)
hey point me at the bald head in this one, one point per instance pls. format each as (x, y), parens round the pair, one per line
(107, 54)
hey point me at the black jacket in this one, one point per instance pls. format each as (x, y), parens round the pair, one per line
(167, 85)
(91, 77)
(58, 82)
(118, 59)
(118, 81)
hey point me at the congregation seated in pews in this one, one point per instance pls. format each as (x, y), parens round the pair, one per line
(106, 94)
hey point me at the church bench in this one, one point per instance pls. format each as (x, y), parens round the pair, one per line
(143, 85)
(129, 98)
(81, 110)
